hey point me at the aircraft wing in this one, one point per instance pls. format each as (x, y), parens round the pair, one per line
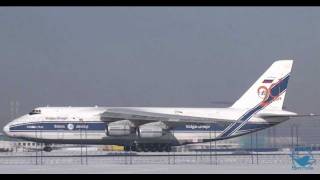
(115, 114)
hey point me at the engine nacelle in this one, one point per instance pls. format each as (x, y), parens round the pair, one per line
(120, 128)
(151, 130)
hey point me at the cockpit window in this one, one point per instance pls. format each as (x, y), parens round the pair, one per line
(35, 111)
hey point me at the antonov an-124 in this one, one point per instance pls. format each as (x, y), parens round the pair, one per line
(160, 128)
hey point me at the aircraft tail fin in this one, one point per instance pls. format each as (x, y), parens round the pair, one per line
(269, 90)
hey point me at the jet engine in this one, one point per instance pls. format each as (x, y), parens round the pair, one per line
(120, 128)
(151, 130)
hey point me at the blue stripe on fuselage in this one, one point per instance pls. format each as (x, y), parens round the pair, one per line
(100, 126)
(68, 126)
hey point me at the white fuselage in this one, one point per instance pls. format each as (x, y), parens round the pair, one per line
(73, 125)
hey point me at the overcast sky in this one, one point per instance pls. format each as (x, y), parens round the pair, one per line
(153, 56)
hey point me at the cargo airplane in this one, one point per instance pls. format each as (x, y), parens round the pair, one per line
(160, 128)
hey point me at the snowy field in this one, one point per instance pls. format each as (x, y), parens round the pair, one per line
(151, 168)
(103, 162)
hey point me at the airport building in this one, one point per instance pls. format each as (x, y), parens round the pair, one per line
(8, 144)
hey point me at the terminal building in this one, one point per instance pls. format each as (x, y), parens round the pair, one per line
(8, 144)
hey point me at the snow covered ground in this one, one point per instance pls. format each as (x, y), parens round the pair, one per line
(151, 168)
(102, 162)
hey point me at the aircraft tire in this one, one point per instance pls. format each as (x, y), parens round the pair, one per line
(47, 149)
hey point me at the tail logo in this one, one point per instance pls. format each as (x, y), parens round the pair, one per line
(263, 92)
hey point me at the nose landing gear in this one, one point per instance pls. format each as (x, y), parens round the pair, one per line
(47, 148)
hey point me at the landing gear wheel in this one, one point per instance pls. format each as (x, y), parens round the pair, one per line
(47, 149)
(154, 148)
(161, 148)
(167, 148)
(133, 148)
(138, 148)
(145, 148)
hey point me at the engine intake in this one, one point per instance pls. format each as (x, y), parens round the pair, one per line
(151, 130)
(120, 128)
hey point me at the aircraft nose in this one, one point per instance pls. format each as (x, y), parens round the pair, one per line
(6, 130)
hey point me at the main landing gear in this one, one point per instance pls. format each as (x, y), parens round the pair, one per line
(149, 147)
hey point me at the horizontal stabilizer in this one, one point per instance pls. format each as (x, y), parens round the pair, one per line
(285, 114)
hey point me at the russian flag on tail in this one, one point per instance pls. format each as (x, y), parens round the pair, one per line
(267, 81)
